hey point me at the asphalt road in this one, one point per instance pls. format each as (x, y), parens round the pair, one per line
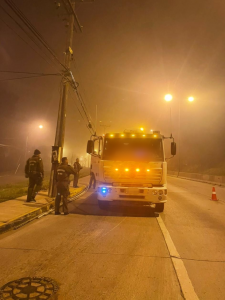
(122, 253)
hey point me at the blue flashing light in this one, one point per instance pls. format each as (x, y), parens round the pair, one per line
(104, 190)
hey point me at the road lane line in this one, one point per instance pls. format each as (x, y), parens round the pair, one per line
(182, 275)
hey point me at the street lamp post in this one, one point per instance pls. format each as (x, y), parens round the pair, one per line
(27, 141)
(168, 98)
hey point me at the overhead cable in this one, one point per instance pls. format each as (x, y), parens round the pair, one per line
(29, 36)
(26, 77)
(29, 25)
(31, 73)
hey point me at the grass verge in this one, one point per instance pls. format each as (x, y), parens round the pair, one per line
(13, 191)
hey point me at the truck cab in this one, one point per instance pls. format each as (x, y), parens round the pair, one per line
(130, 167)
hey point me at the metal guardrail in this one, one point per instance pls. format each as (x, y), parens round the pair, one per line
(220, 180)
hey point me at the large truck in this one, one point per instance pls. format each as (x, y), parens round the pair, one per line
(130, 167)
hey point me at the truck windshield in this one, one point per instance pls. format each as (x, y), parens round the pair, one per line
(137, 149)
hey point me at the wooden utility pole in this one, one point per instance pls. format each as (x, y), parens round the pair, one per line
(61, 122)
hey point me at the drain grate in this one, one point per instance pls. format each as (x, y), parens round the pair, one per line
(35, 288)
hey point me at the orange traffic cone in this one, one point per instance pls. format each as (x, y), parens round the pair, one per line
(214, 198)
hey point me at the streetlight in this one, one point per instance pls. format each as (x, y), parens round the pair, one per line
(191, 99)
(169, 97)
(27, 140)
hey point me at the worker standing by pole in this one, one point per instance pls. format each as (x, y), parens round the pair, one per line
(60, 130)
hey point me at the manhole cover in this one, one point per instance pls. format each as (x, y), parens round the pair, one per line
(35, 288)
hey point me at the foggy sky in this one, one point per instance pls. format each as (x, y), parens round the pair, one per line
(130, 54)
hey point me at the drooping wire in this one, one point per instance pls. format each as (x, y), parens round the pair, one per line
(79, 111)
(82, 106)
(82, 99)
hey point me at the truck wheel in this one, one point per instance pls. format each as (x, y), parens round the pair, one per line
(159, 207)
(103, 204)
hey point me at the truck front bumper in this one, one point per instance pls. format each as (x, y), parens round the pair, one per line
(142, 194)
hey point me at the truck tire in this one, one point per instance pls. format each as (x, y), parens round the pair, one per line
(103, 204)
(159, 207)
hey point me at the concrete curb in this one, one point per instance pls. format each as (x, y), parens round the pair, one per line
(30, 216)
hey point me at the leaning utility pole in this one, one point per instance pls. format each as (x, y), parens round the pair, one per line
(57, 149)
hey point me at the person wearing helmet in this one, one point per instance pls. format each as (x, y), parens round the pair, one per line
(34, 170)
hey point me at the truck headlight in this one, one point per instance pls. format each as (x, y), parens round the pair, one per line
(155, 192)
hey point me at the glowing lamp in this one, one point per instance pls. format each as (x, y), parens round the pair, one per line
(168, 97)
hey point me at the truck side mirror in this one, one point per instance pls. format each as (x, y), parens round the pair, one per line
(173, 148)
(90, 147)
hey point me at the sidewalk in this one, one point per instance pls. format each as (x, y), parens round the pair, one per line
(17, 212)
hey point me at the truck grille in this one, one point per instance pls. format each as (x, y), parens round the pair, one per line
(131, 197)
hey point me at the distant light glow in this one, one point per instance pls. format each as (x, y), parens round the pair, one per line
(116, 169)
(168, 97)
(148, 170)
(142, 129)
(40, 126)
(122, 135)
(126, 170)
(143, 135)
(191, 99)
(137, 170)
(155, 135)
(133, 135)
(112, 135)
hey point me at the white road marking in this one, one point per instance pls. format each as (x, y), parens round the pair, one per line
(182, 275)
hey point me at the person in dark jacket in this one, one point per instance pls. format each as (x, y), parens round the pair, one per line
(34, 170)
(63, 173)
(92, 179)
(77, 167)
